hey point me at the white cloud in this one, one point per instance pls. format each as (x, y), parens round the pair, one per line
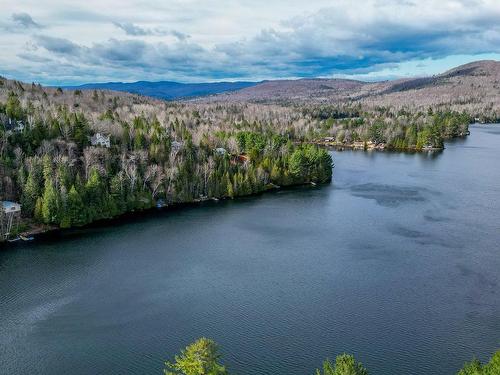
(208, 40)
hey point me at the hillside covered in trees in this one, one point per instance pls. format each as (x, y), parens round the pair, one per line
(73, 157)
(473, 88)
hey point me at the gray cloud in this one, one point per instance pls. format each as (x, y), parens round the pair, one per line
(180, 36)
(330, 41)
(131, 29)
(134, 30)
(59, 46)
(154, 58)
(117, 51)
(25, 20)
(350, 38)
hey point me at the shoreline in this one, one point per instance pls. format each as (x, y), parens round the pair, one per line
(372, 147)
(40, 231)
(47, 232)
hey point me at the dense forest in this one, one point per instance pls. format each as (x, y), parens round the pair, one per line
(388, 128)
(71, 158)
(203, 358)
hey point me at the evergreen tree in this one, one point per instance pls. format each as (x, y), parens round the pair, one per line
(94, 196)
(38, 214)
(345, 364)
(298, 165)
(30, 195)
(476, 368)
(76, 208)
(50, 200)
(13, 107)
(200, 358)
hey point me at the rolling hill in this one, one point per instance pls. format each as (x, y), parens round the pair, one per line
(166, 89)
(474, 86)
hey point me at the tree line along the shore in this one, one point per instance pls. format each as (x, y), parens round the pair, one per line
(62, 179)
(73, 157)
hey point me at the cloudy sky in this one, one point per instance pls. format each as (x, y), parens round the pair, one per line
(69, 42)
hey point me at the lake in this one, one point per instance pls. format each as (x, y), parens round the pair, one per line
(397, 262)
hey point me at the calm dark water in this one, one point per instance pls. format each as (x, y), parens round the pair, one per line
(397, 262)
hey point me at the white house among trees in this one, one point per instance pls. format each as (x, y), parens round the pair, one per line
(100, 140)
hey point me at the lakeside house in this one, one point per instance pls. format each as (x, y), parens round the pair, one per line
(99, 139)
(240, 159)
(16, 126)
(10, 214)
(368, 145)
(10, 207)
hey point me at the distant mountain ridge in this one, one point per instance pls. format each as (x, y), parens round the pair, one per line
(473, 87)
(470, 87)
(167, 89)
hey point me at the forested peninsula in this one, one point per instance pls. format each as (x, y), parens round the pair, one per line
(73, 157)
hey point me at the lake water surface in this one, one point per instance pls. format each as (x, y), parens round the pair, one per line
(397, 261)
